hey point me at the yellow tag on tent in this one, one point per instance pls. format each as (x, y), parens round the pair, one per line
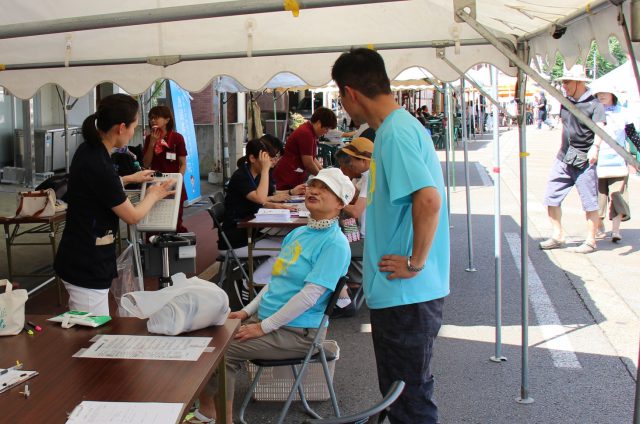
(524, 154)
(371, 47)
(292, 6)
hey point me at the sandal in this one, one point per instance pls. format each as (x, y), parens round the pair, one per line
(551, 243)
(585, 248)
(199, 418)
(616, 237)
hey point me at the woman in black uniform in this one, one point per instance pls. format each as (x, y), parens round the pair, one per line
(86, 258)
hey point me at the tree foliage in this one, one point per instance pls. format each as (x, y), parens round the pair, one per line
(602, 66)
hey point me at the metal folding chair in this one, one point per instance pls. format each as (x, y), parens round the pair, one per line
(374, 415)
(315, 354)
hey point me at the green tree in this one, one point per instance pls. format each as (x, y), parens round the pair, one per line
(602, 65)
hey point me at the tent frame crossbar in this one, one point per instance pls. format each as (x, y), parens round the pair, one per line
(165, 14)
(166, 61)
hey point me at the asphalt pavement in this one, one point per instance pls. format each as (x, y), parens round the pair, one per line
(583, 309)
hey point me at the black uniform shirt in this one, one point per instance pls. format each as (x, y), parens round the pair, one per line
(87, 256)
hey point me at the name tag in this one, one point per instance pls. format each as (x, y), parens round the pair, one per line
(103, 241)
(171, 156)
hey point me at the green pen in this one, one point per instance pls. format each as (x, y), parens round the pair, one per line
(29, 331)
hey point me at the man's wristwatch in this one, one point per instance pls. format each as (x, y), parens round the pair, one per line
(413, 268)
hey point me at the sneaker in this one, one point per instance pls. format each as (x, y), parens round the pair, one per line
(585, 248)
(346, 312)
(551, 243)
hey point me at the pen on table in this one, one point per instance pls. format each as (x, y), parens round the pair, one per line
(35, 327)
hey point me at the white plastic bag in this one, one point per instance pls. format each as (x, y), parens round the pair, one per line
(188, 305)
(12, 309)
(126, 281)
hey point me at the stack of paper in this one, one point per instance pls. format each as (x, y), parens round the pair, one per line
(273, 215)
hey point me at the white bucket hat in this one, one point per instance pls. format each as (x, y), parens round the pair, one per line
(337, 182)
(605, 87)
(576, 73)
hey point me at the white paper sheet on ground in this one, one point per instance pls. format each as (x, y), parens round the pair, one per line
(164, 348)
(125, 413)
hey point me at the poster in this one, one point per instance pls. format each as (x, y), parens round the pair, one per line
(181, 102)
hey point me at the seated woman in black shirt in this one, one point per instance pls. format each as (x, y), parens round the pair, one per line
(251, 188)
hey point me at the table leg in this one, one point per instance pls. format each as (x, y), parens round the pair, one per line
(250, 246)
(52, 239)
(7, 239)
(221, 398)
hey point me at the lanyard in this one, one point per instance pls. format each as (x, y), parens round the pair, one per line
(251, 177)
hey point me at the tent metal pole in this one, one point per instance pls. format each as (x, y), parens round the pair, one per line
(625, 29)
(29, 158)
(225, 136)
(275, 115)
(465, 140)
(524, 397)
(497, 226)
(447, 142)
(165, 14)
(65, 125)
(548, 87)
(636, 405)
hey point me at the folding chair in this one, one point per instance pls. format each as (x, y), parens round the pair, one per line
(217, 215)
(217, 197)
(374, 415)
(356, 263)
(316, 354)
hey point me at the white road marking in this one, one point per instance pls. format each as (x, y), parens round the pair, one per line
(487, 181)
(560, 347)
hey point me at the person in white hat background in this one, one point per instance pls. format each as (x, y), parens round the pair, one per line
(575, 162)
(283, 319)
(612, 169)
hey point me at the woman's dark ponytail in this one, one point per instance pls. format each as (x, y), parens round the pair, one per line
(113, 110)
(89, 130)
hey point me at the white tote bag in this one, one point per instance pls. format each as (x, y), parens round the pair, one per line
(11, 309)
(38, 204)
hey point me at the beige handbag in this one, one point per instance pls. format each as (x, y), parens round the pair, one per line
(12, 309)
(37, 204)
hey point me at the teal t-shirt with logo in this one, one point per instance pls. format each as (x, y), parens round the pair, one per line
(318, 256)
(404, 161)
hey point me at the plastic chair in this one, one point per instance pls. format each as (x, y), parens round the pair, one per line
(374, 415)
(316, 354)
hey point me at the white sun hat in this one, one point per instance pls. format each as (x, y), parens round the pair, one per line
(337, 182)
(576, 73)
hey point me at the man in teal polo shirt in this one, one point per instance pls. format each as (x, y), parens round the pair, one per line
(406, 253)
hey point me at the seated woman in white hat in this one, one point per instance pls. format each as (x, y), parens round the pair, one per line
(282, 321)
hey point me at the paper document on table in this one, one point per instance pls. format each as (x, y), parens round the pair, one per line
(12, 377)
(272, 215)
(167, 348)
(125, 413)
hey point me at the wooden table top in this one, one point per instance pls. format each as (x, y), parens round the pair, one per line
(59, 216)
(65, 381)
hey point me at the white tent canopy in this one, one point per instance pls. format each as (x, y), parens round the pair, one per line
(252, 46)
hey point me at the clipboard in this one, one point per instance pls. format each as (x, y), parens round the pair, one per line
(14, 377)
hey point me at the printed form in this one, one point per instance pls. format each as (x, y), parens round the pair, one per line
(164, 348)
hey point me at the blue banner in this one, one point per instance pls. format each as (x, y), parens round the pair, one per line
(181, 102)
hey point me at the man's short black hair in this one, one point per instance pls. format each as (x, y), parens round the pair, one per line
(326, 117)
(361, 69)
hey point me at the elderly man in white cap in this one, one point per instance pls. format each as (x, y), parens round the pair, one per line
(283, 319)
(575, 162)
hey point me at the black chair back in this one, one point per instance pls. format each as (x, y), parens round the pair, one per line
(217, 214)
(374, 415)
(335, 295)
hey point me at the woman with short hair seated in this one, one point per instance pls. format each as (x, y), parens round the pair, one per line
(282, 321)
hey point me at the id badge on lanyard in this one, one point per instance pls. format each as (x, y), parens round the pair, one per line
(171, 156)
